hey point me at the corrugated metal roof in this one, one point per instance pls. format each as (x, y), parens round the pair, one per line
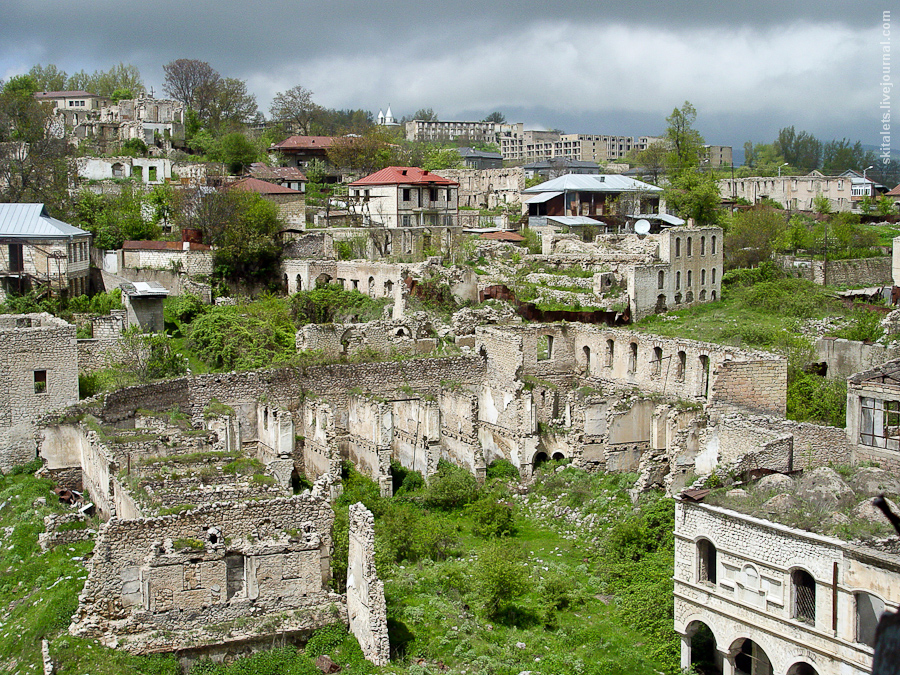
(580, 182)
(574, 220)
(542, 197)
(143, 289)
(31, 221)
(665, 217)
(403, 175)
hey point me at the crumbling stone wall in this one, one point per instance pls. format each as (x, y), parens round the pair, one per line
(858, 272)
(488, 188)
(843, 358)
(38, 374)
(217, 574)
(366, 606)
(756, 385)
(187, 261)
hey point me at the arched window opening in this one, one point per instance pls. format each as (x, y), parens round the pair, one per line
(704, 375)
(299, 283)
(703, 277)
(702, 245)
(677, 247)
(587, 360)
(803, 596)
(690, 278)
(750, 659)
(690, 247)
(712, 245)
(677, 280)
(682, 365)
(713, 277)
(610, 353)
(632, 357)
(656, 363)
(706, 561)
(661, 280)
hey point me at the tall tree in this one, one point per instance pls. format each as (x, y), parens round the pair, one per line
(685, 141)
(296, 108)
(34, 163)
(802, 150)
(125, 77)
(368, 153)
(426, 114)
(838, 156)
(496, 117)
(233, 106)
(195, 83)
(49, 77)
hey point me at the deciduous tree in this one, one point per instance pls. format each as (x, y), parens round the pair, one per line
(195, 83)
(295, 107)
(685, 142)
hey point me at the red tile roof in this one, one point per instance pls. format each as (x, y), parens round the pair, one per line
(305, 143)
(895, 192)
(503, 236)
(403, 175)
(266, 172)
(65, 94)
(262, 187)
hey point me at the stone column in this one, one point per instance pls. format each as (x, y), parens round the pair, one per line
(685, 652)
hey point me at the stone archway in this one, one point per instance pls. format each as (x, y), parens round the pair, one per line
(750, 658)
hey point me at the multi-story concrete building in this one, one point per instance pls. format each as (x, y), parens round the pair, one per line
(776, 600)
(38, 250)
(716, 155)
(546, 145)
(792, 192)
(405, 196)
(473, 132)
(73, 100)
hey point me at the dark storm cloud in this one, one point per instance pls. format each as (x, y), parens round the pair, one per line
(583, 62)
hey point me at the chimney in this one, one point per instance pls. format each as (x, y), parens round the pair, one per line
(425, 172)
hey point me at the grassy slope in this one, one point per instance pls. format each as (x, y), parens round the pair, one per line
(436, 604)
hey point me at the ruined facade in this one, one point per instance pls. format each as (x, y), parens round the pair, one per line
(366, 607)
(777, 600)
(38, 374)
(873, 415)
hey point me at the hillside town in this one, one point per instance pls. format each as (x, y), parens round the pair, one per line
(331, 390)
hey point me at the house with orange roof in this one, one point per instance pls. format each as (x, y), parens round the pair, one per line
(406, 196)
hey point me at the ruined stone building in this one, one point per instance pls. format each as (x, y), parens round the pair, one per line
(776, 600)
(676, 268)
(38, 374)
(873, 415)
(37, 250)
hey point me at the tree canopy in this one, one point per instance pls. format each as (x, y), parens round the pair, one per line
(296, 108)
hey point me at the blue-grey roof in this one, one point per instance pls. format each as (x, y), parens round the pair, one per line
(575, 182)
(574, 220)
(472, 152)
(664, 217)
(31, 221)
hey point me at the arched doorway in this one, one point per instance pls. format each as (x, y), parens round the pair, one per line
(750, 659)
(705, 658)
(540, 458)
(802, 669)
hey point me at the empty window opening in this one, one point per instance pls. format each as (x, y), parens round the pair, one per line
(299, 283)
(712, 245)
(677, 247)
(234, 575)
(804, 596)
(40, 381)
(703, 277)
(750, 659)
(677, 280)
(704, 375)
(587, 360)
(690, 278)
(656, 363)
(869, 609)
(690, 247)
(713, 275)
(661, 280)
(660, 304)
(544, 347)
(879, 425)
(632, 357)
(406, 194)
(16, 258)
(610, 353)
(682, 364)
(706, 561)
(702, 245)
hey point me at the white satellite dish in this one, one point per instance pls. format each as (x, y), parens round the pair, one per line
(642, 226)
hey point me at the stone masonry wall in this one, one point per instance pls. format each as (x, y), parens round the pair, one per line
(757, 385)
(366, 606)
(861, 272)
(216, 574)
(38, 374)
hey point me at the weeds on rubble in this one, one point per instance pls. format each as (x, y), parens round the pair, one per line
(244, 466)
(38, 591)
(176, 509)
(216, 408)
(188, 542)
(75, 656)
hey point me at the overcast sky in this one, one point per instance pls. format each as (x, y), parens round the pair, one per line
(586, 66)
